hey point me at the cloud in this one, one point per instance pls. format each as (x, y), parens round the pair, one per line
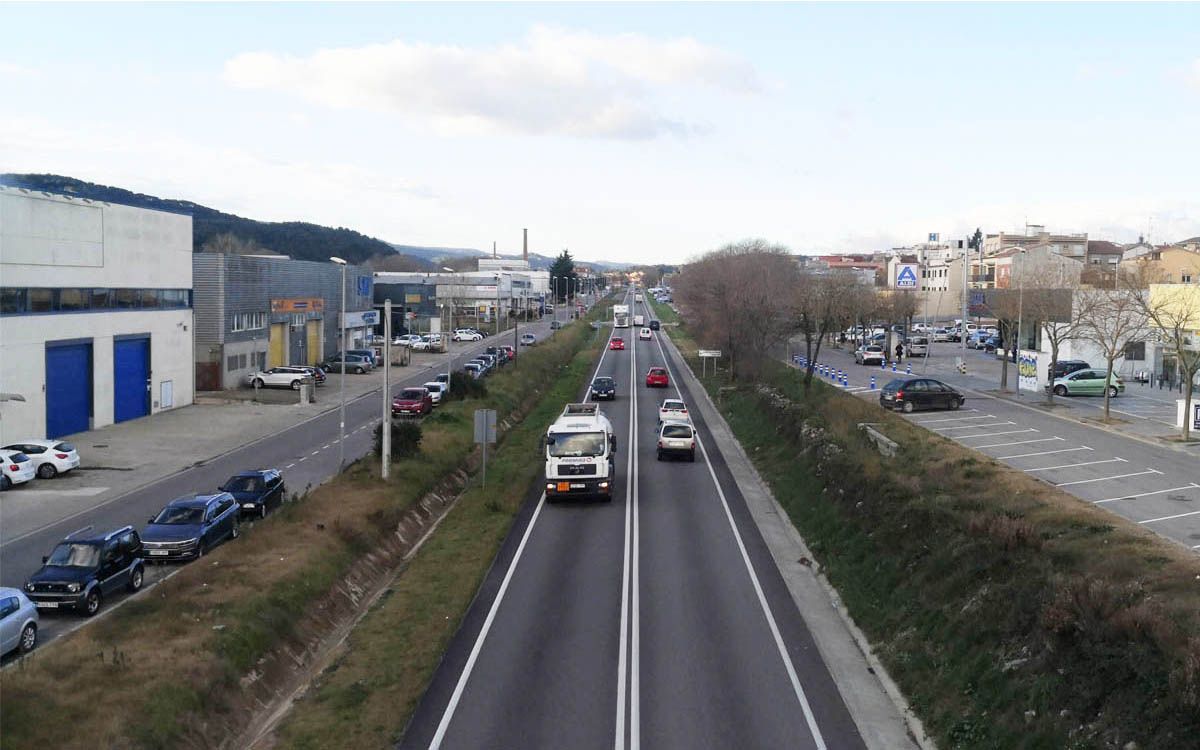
(553, 81)
(1193, 74)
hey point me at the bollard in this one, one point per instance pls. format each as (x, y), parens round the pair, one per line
(872, 382)
(908, 369)
(845, 382)
(893, 367)
(883, 364)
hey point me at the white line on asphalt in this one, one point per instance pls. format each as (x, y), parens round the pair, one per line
(289, 466)
(77, 492)
(1193, 485)
(1071, 466)
(318, 451)
(623, 639)
(1171, 518)
(970, 426)
(1107, 479)
(990, 434)
(955, 419)
(762, 599)
(302, 458)
(1043, 453)
(1019, 442)
(635, 585)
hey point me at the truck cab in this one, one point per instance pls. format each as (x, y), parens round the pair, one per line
(579, 450)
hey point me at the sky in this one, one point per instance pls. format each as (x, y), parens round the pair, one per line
(625, 132)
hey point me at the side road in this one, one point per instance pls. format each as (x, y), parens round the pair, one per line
(876, 704)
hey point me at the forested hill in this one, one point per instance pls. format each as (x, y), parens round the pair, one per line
(298, 239)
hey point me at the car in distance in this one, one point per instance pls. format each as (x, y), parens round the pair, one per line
(189, 526)
(15, 468)
(528, 339)
(437, 391)
(85, 567)
(408, 339)
(370, 355)
(616, 343)
(509, 352)
(18, 622)
(676, 439)
(655, 325)
(466, 334)
(656, 377)
(644, 334)
(256, 492)
(1088, 383)
(49, 457)
(940, 335)
(1065, 367)
(555, 325)
(909, 394)
(316, 373)
(673, 410)
(917, 346)
(869, 355)
(354, 363)
(604, 387)
(412, 402)
(279, 377)
(474, 369)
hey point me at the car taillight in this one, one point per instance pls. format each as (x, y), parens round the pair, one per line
(684, 411)
(14, 467)
(64, 455)
(660, 444)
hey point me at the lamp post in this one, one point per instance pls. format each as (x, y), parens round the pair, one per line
(450, 320)
(342, 379)
(1020, 316)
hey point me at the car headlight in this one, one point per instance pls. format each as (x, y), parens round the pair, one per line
(29, 587)
(73, 588)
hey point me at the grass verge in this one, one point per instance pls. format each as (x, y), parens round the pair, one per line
(167, 669)
(1011, 614)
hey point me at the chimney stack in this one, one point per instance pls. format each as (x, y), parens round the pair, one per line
(525, 245)
(493, 249)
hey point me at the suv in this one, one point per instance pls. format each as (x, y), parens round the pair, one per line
(676, 439)
(414, 402)
(654, 325)
(85, 567)
(256, 491)
(190, 526)
(280, 377)
(354, 363)
(555, 325)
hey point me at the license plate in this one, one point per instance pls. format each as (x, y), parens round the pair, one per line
(158, 552)
(577, 486)
(248, 506)
(47, 605)
(564, 486)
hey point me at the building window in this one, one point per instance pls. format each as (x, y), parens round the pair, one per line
(41, 300)
(1186, 278)
(127, 299)
(73, 300)
(1136, 352)
(148, 297)
(231, 363)
(102, 299)
(28, 301)
(13, 301)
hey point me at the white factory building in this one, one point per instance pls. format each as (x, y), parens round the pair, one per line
(95, 313)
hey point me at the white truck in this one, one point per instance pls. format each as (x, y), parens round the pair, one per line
(620, 316)
(579, 449)
(639, 321)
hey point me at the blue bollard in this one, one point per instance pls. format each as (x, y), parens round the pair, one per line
(893, 367)
(845, 382)
(883, 364)
(908, 369)
(872, 382)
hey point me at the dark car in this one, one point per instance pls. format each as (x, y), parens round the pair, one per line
(1065, 367)
(318, 375)
(908, 394)
(190, 526)
(509, 352)
(257, 491)
(604, 387)
(655, 325)
(412, 402)
(555, 325)
(499, 354)
(86, 567)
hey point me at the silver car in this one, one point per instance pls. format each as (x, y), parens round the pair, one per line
(18, 622)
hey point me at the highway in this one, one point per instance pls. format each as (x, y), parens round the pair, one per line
(656, 619)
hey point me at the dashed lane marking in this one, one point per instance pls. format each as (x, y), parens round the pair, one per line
(1193, 485)
(315, 452)
(1072, 466)
(289, 466)
(1108, 479)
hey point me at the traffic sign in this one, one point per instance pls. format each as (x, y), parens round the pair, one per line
(709, 353)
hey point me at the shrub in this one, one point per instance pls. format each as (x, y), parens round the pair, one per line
(406, 439)
(463, 386)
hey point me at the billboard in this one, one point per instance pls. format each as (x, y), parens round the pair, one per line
(300, 305)
(1027, 370)
(906, 276)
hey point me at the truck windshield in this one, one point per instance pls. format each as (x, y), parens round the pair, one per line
(576, 444)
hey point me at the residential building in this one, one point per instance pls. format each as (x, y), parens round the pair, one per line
(1101, 263)
(1066, 245)
(1168, 264)
(96, 318)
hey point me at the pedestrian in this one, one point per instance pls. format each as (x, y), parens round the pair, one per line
(899, 352)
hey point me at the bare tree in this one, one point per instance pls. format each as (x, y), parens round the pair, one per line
(1059, 312)
(821, 304)
(898, 308)
(1174, 309)
(1119, 318)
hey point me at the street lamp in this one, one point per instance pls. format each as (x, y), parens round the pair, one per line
(1020, 316)
(342, 383)
(450, 320)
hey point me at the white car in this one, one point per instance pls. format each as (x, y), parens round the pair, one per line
(18, 622)
(673, 410)
(528, 339)
(408, 339)
(644, 334)
(15, 468)
(462, 334)
(437, 391)
(941, 335)
(278, 377)
(870, 355)
(677, 439)
(49, 457)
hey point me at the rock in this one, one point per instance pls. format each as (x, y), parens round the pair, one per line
(1030, 715)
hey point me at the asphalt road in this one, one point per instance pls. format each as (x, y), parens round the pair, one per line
(657, 618)
(307, 453)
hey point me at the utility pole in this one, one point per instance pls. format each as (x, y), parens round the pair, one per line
(962, 326)
(342, 379)
(386, 424)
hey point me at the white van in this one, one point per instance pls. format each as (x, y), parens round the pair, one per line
(918, 346)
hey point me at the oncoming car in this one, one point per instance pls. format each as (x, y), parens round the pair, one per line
(616, 343)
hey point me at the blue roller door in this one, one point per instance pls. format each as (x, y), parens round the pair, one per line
(68, 389)
(131, 370)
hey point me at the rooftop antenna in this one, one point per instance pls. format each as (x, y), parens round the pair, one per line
(525, 245)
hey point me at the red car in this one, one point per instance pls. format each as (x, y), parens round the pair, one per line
(657, 378)
(412, 402)
(509, 352)
(616, 343)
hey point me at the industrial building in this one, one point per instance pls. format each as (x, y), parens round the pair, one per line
(95, 313)
(258, 311)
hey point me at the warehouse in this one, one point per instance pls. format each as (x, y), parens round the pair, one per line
(95, 313)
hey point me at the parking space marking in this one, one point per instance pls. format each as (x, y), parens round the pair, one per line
(1107, 479)
(991, 434)
(972, 426)
(303, 458)
(1193, 485)
(77, 492)
(1171, 518)
(954, 419)
(1019, 442)
(1072, 466)
(315, 452)
(1043, 453)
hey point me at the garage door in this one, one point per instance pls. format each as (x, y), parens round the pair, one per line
(297, 347)
(279, 332)
(68, 389)
(314, 342)
(131, 376)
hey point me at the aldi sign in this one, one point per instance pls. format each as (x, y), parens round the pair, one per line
(906, 276)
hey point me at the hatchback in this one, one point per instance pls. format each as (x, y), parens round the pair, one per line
(1088, 383)
(18, 622)
(656, 377)
(412, 402)
(616, 343)
(555, 325)
(15, 468)
(528, 339)
(908, 394)
(49, 457)
(655, 325)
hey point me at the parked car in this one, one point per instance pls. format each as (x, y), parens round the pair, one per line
(317, 374)
(15, 468)
(412, 402)
(869, 355)
(189, 526)
(907, 394)
(480, 363)
(509, 352)
(644, 334)
(49, 457)
(279, 377)
(656, 377)
(917, 346)
(85, 567)
(655, 325)
(977, 340)
(941, 335)
(1065, 367)
(474, 369)
(555, 325)
(604, 387)
(354, 363)
(673, 410)
(256, 492)
(616, 343)
(18, 622)
(528, 339)
(444, 379)
(676, 439)
(407, 339)
(369, 354)
(437, 391)
(1088, 382)
(992, 343)
(466, 334)
(499, 353)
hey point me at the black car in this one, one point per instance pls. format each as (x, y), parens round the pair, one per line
(1065, 367)
(500, 356)
(604, 387)
(555, 325)
(190, 526)
(257, 491)
(86, 567)
(655, 325)
(908, 394)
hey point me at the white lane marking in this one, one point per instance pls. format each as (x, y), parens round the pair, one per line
(1043, 453)
(1019, 442)
(954, 419)
(302, 458)
(1193, 485)
(990, 434)
(1108, 479)
(623, 640)
(1171, 518)
(635, 585)
(970, 426)
(762, 599)
(1072, 466)
(289, 466)
(318, 450)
